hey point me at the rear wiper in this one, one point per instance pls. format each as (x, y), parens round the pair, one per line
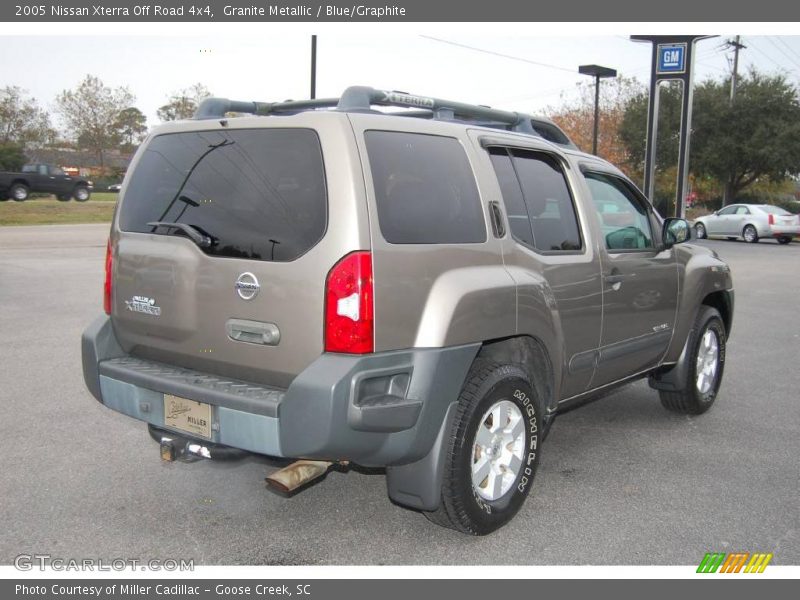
(198, 237)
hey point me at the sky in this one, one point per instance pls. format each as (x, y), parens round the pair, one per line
(523, 73)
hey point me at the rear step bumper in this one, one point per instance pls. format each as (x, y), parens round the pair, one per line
(376, 410)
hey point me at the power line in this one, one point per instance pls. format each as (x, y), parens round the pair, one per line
(782, 51)
(788, 47)
(764, 54)
(500, 54)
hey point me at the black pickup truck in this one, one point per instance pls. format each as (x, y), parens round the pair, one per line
(46, 179)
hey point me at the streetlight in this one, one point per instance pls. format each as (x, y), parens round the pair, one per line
(598, 73)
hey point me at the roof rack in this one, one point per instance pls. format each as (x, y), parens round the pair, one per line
(362, 99)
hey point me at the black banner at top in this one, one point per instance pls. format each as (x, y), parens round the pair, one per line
(711, 11)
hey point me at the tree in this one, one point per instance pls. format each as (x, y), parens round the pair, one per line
(90, 113)
(12, 157)
(755, 138)
(183, 103)
(131, 127)
(22, 122)
(576, 117)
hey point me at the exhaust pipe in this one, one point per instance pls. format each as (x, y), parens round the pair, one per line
(297, 474)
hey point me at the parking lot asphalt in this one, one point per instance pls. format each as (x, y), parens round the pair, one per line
(621, 480)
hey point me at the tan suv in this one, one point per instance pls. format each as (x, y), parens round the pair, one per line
(421, 291)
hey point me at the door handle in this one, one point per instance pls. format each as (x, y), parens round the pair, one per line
(253, 332)
(615, 280)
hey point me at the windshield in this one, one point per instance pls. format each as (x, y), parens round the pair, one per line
(259, 192)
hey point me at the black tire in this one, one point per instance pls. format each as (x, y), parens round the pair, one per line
(63, 197)
(19, 192)
(700, 231)
(784, 240)
(461, 508)
(691, 400)
(750, 234)
(81, 193)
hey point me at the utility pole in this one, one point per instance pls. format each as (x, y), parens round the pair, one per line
(737, 45)
(313, 66)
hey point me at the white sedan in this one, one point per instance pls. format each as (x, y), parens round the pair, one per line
(750, 222)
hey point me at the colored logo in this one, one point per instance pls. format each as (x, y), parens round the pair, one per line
(671, 58)
(735, 562)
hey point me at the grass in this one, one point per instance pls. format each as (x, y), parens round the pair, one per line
(49, 211)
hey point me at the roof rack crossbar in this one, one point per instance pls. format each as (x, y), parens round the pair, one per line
(362, 99)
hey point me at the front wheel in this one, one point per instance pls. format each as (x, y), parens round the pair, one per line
(700, 231)
(750, 234)
(706, 356)
(81, 193)
(784, 240)
(19, 192)
(493, 450)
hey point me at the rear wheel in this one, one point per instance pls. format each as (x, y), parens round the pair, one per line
(706, 356)
(493, 450)
(784, 240)
(700, 230)
(81, 193)
(19, 192)
(750, 234)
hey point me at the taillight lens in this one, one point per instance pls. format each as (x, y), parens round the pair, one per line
(771, 219)
(349, 305)
(107, 286)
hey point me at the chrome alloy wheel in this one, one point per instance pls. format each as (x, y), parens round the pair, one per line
(498, 450)
(707, 362)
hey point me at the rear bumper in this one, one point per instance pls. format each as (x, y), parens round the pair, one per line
(376, 410)
(778, 231)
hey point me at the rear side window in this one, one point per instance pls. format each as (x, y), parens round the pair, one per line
(425, 189)
(540, 209)
(259, 193)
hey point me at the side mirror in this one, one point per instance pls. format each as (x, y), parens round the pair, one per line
(675, 231)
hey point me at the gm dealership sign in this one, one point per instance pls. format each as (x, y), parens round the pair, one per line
(671, 58)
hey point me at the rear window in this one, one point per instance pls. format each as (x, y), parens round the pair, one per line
(775, 210)
(425, 189)
(259, 193)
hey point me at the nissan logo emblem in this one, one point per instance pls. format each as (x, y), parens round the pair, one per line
(247, 286)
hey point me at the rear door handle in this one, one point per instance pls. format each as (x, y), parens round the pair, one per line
(615, 278)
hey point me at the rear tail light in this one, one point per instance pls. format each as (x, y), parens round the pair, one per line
(771, 219)
(349, 305)
(107, 286)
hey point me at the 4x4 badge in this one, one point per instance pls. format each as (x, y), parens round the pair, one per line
(247, 286)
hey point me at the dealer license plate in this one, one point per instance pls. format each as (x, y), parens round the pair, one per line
(187, 415)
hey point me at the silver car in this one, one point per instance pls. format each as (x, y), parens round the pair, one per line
(750, 222)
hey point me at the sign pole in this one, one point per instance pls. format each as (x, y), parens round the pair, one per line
(672, 60)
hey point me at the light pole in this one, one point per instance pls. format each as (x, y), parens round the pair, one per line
(313, 66)
(598, 73)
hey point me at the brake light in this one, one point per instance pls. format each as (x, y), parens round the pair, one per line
(107, 286)
(771, 219)
(349, 305)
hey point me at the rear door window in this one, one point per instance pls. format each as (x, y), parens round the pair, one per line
(541, 212)
(424, 188)
(259, 193)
